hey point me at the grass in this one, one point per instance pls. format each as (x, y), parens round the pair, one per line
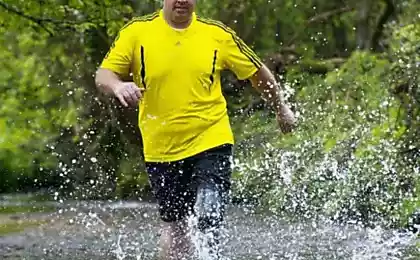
(16, 227)
(27, 197)
(9, 226)
(25, 209)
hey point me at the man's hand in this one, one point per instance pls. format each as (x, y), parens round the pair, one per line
(285, 118)
(128, 93)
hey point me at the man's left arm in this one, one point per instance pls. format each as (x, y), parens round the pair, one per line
(244, 62)
(265, 83)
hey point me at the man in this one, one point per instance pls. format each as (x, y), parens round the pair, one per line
(175, 59)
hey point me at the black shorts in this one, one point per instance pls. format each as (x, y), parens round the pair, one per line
(175, 184)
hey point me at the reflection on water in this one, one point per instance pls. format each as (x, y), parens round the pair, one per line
(129, 230)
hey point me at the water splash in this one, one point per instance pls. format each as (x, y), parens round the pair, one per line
(382, 244)
(201, 241)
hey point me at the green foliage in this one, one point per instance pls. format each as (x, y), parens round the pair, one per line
(405, 80)
(30, 116)
(343, 161)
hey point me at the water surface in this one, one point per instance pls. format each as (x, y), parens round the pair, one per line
(129, 230)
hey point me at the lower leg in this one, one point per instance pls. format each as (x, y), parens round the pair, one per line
(209, 208)
(174, 242)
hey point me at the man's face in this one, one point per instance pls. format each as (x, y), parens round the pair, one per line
(180, 10)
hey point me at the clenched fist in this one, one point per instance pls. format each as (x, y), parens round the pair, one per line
(128, 93)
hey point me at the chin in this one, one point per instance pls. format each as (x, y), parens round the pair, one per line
(182, 13)
(182, 16)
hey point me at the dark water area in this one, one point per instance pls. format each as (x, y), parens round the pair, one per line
(129, 230)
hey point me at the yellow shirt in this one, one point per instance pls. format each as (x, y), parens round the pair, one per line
(183, 111)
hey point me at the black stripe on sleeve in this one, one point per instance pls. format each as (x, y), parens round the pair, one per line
(239, 42)
(144, 18)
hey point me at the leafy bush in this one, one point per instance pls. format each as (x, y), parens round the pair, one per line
(344, 160)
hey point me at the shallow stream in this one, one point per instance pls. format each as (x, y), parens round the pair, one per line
(129, 230)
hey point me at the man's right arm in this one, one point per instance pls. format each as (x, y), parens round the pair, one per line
(110, 83)
(107, 81)
(116, 65)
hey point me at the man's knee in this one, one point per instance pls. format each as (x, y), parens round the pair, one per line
(209, 208)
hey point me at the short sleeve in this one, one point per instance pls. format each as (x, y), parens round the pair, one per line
(239, 57)
(119, 56)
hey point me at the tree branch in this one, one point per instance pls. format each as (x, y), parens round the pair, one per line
(317, 18)
(39, 21)
(68, 24)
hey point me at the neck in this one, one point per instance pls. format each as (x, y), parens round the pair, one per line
(176, 23)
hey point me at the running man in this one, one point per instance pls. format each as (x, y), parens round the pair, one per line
(174, 59)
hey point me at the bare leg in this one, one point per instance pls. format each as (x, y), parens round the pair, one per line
(174, 241)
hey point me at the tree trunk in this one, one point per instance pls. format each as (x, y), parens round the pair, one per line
(362, 33)
(384, 18)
